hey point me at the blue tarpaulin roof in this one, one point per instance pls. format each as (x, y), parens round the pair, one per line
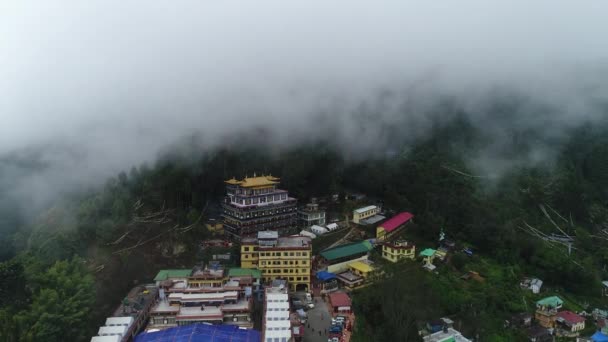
(201, 333)
(324, 275)
(599, 337)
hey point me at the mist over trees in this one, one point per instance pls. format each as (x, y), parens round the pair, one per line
(84, 235)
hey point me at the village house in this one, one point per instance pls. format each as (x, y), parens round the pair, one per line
(532, 284)
(340, 302)
(392, 226)
(398, 250)
(365, 212)
(546, 311)
(570, 321)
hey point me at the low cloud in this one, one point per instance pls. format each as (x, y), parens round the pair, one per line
(104, 85)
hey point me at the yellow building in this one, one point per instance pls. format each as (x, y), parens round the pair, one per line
(365, 212)
(276, 257)
(362, 269)
(215, 227)
(249, 254)
(395, 251)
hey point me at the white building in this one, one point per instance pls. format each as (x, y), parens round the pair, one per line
(446, 335)
(277, 325)
(365, 212)
(532, 284)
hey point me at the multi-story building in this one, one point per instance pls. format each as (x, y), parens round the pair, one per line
(365, 212)
(130, 317)
(395, 251)
(207, 295)
(276, 324)
(311, 215)
(287, 258)
(256, 204)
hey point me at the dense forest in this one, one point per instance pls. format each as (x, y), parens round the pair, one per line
(65, 270)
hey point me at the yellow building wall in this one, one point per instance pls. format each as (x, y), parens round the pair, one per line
(249, 256)
(293, 265)
(380, 234)
(357, 217)
(215, 228)
(396, 254)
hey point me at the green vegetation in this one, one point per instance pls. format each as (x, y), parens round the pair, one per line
(151, 218)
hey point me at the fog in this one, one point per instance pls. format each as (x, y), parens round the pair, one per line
(102, 85)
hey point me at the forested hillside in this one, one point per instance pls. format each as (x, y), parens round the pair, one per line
(68, 268)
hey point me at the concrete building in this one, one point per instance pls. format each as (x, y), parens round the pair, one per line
(276, 325)
(546, 311)
(130, 317)
(570, 321)
(532, 284)
(311, 215)
(392, 226)
(257, 204)
(395, 251)
(209, 295)
(365, 212)
(277, 257)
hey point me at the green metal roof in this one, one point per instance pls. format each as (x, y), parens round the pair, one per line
(553, 301)
(240, 272)
(173, 273)
(346, 250)
(428, 252)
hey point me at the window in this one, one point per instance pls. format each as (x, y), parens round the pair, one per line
(305, 254)
(290, 253)
(246, 249)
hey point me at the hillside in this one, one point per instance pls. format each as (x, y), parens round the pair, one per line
(150, 217)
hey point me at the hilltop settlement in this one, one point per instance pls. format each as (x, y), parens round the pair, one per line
(277, 271)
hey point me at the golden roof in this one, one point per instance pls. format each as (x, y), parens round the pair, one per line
(252, 182)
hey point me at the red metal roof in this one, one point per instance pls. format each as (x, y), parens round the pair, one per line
(396, 221)
(339, 299)
(570, 317)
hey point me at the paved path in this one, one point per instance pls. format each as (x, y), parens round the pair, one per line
(318, 320)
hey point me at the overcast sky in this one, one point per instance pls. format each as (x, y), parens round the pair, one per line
(118, 80)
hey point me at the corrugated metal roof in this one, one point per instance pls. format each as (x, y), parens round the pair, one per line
(173, 273)
(242, 272)
(201, 333)
(364, 209)
(361, 266)
(553, 301)
(347, 250)
(339, 299)
(396, 221)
